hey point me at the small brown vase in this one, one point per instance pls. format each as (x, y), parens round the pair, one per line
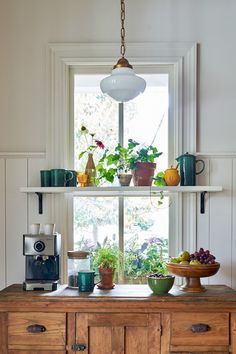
(143, 173)
(106, 282)
(90, 169)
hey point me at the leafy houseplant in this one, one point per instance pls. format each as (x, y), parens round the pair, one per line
(142, 163)
(106, 259)
(116, 163)
(130, 158)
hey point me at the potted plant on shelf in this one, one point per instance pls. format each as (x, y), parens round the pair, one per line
(135, 158)
(116, 163)
(106, 260)
(142, 162)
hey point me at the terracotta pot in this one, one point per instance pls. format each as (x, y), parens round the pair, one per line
(143, 173)
(107, 278)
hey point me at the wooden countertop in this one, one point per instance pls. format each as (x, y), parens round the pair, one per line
(121, 292)
(135, 297)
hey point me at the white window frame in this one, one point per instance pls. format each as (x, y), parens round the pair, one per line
(101, 57)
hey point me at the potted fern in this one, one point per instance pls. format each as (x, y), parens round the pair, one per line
(106, 260)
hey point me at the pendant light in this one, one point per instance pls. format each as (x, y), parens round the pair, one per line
(123, 85)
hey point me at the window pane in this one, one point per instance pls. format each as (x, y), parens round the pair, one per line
(97, 112)
(146, 117)
(95, 220)
(146, 229)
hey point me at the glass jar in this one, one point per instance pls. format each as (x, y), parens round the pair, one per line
(77, 260)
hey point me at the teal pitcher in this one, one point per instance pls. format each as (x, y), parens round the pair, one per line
(187, 164)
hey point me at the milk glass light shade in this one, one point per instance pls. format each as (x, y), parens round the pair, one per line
(123, 85)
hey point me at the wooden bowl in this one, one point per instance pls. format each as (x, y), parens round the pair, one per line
(192, 274)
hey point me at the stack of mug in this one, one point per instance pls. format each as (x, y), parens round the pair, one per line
(46, 229)
(58, 177)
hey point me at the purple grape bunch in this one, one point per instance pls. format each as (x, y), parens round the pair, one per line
(203, 256)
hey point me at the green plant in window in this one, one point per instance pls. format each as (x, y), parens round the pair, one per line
(149, 257)
(123, 159)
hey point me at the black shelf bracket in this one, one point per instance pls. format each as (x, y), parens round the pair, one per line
(202, 204)
(40, 202)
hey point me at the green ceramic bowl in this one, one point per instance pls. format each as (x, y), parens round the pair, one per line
(160, 286)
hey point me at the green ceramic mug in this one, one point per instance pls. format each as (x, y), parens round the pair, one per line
(45, 178)
(72, 182)
(60, 176)
(86, 280)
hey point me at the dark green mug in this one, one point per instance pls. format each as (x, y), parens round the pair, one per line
(45, 178)
(60, 176)
(73, 181)
(86, 280)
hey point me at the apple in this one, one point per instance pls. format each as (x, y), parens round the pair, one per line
(184, 256)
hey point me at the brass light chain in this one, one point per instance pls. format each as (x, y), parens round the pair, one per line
(122, 31)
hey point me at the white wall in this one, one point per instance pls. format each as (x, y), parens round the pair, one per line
(26, 26)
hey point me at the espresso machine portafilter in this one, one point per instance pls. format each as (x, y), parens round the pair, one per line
(42, 261)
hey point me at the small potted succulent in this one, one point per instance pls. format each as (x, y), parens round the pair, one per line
(106, 260)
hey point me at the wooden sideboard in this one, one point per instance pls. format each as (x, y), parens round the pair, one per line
(126, 320)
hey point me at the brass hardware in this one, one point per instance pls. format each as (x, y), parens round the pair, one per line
(122, 62)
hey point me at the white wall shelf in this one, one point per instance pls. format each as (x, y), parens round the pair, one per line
(121, 191)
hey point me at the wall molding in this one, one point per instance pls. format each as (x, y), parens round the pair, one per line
(34, 155)
(216, 154)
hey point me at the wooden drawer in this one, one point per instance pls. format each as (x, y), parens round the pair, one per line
(187, 329)
(37, 330)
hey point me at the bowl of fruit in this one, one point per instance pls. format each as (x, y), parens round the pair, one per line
(193, 267)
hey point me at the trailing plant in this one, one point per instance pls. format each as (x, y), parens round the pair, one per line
(114, 162)
(123, 159)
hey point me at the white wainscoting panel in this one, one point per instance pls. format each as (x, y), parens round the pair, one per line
(16, 218)
(214, 228)
(220, 219)
(2, 225)
(34, 167)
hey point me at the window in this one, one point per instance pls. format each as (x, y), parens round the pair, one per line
(94, 58)
(138, 226)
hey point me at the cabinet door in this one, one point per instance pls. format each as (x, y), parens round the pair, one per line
(113, 333)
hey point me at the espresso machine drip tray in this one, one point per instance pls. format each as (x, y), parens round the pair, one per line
(40, 285)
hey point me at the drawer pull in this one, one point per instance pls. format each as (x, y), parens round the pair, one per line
(200, 327)
(36, 328)
(77, 347)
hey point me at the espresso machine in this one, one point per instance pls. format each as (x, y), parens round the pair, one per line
(42, 261)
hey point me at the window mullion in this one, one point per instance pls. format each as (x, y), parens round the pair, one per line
(121, 199)
(121, 235)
